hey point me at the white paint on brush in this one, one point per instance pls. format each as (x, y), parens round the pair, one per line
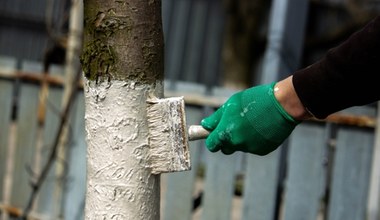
(168, 140)
(119, 181)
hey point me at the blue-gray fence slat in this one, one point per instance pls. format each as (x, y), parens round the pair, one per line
(219, 186)
(6, 90)
(211, 57)
(305, 181)
(75, 188)
(193, 33)
(46, 200)
(351, 174)
(23, 27)
(177, 38)
(25, 143)
(6, 103)
(260, 191)
(193, 61)
(26, 137)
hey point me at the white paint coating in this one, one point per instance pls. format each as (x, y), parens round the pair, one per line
(119, 183)
(168, 139)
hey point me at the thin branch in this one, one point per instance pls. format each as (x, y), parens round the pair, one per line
(36, 186)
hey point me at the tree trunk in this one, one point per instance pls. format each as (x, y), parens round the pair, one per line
(122, 61)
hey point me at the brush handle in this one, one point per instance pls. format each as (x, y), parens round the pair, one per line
(197, 132)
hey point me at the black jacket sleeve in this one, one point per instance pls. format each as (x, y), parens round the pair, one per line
(346, 76)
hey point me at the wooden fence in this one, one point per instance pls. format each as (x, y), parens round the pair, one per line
(324, 171)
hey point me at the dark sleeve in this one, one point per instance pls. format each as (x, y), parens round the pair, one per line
(346, 76)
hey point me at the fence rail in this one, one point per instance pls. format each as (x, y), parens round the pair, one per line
(190, 97)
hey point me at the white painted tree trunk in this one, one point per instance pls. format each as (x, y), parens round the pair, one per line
(122, 60)
(119, 185)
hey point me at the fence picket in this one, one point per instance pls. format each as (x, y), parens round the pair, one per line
(26, 136)
(192, 65)
(25, 143)
(219, 185)
(6, 98)
(177, 38)
(306, 173)
(211, 56)
(351, 171)
(260, 183)
(46, 202)
(76, 160)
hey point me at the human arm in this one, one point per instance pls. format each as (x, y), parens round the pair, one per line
(345, 77)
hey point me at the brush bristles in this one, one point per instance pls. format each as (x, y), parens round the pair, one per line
(169, 147)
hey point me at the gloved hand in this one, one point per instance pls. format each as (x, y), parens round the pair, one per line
(250, 121)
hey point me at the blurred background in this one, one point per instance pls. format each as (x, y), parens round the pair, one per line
(326, 170)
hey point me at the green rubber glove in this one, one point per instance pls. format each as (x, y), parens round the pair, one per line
(250, 121)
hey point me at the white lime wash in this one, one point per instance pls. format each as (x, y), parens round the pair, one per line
(119, 181)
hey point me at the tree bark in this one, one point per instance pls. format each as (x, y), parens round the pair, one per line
(122, 61)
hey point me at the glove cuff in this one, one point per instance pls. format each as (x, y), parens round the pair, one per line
(279, 107)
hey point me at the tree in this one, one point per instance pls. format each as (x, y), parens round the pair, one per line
(122, 60)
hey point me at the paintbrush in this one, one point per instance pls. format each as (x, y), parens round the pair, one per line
(169, 135)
